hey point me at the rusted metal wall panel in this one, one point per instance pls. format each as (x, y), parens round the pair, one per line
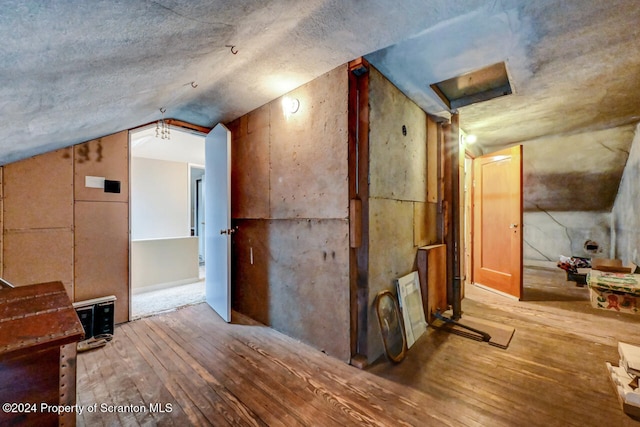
(392, 254)
(293, 275)
(400, 218)
(398, 162)
(309, 162)
(250, 270)
(285, 262)
(290, 202)
(309, 281)
(250, 165)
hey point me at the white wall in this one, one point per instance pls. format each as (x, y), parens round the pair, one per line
(547, 235)
(626, 210)
(159, 199)
(161, 263)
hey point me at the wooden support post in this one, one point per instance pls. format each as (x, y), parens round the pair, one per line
(456, 282)
(445, 208)
(359, 208)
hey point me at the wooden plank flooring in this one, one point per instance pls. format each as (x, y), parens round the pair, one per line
(212, 373)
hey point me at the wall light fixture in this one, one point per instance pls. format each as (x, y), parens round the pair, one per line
(290, 105)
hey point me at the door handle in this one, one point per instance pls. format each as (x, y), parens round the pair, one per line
(513, 226)
(229, 231)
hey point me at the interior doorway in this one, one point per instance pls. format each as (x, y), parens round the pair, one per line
(166, 209)
(497, 249)
(197, 208)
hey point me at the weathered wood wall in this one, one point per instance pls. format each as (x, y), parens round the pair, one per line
(290, 202)
(400, 217)
(56, 229)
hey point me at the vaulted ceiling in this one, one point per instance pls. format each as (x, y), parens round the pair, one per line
(74, 71)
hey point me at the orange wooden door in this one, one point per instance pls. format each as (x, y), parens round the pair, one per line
(497, 245)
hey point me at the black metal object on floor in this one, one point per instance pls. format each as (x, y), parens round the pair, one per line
(485, 336)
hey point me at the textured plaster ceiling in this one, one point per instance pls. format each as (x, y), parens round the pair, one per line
(575, 70)
(74, 71)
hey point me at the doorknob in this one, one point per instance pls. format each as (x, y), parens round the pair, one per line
(513, 226)
(229, 231)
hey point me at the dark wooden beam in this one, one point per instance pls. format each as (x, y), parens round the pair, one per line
(359, 207)
(178, 123)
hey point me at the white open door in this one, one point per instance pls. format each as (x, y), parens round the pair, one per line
(217, 214)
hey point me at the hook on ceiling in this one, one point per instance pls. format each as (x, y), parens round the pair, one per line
(233, 48)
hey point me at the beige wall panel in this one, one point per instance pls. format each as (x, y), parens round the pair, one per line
(1, 221)
(432, 268)
(398, 163)
(293, 275)
(250, 174)
(432, 161)
(102, 253)
(308, 268)
(420, 224)
(250, 270)
(432, 223)
(258, 119)
(106, 157)
(309, 151)
(161, 263)
(39, 256)
(392, 254)
(238, 127)
(425, 216)
(38, 192)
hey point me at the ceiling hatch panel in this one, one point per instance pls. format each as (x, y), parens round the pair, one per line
(476, 86)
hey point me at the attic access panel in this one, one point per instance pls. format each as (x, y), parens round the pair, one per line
(476, 86)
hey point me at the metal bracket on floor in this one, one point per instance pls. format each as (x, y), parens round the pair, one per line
(485, 336)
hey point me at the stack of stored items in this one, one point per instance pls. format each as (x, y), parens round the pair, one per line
(614, 291)
(576, 268)
(625, 378)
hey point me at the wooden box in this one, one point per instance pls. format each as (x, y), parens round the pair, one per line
(38, 332)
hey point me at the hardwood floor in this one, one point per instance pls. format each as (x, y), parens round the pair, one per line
(211, 373)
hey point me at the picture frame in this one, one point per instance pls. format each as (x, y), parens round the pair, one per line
(391, 326)
(410, 298)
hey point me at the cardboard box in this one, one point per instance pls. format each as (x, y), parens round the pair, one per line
(611, 265)
(618, 292)
(628, 398)
(629, 358)
(613, 300)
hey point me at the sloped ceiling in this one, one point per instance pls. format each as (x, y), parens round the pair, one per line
(74, 71)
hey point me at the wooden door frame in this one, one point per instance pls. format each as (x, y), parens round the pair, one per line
(469, 218)
(358, 135)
